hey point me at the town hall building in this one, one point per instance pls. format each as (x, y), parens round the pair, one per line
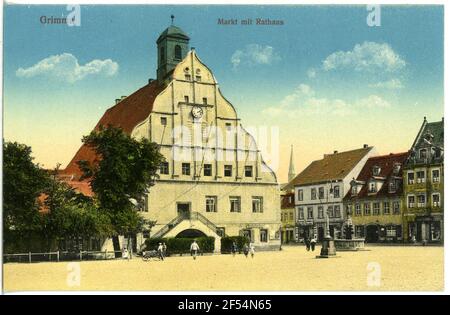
(214, 181)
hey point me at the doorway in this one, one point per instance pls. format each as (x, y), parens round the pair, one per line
(372, 234)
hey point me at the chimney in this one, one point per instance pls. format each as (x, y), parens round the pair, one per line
(123, 97)
(424, 118)
(117, 100)
(335, 151)
(150, 80)
(365, 146)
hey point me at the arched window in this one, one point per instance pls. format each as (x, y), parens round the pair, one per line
(178, 52)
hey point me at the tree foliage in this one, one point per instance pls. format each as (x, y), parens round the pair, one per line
(125, 170)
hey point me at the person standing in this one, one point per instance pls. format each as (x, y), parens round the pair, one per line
(194, 249)
(234, 248)
(252, 250)
(164, 249)
(313, 243)
(161, 251)
(245, 249)
(307, 243)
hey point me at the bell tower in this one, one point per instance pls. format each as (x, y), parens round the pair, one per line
(173, 45)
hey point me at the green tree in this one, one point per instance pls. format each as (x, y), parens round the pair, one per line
(126, 169)
(23, 182)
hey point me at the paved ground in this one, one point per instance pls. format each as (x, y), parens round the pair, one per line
(381, 268)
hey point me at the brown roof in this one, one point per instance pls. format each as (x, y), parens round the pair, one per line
(332, 167)
(126, 115)
(386, 164)
(287, 201)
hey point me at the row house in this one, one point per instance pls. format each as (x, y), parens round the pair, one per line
(375, 199)
(423, 209)
(320, 189)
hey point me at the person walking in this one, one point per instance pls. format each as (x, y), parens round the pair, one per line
(313, 243)
(161, 251)
(164, 249)
(194, 249)
(234, 248)
(307, 243)
(252, 250)
(245, 249)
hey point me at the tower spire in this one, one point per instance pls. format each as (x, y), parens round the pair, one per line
(291, 173)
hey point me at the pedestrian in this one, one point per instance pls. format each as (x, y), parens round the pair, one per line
(164, 249)
(307, 243)
(252, 250)
(194, 249)
(233, 248)
(313, 243)
(161, 251)
(125, 254)
(245, 250)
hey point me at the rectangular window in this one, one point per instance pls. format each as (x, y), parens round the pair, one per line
(337, 211)
(435, 176)
(164, 168)
(391, 231)
(198, 78)
(320, 212)
(257, 204)
(420, 176)
(436, 200)
(207, 169)
(359, 231)
(411, 202)
(367, 209)
(248, 171)
(376, 208)
(321, 193)
(164, 121)
(235, 204)
(301, 213)
(421, 201)
(187, 77)
(357, 209)
(145, 203)
(396, 207)
(310, 212)
(228, 126)
(386, 207)
(205, 101)
(146, 234)
(336, 191)
(410, 178)
(228, 170)
(330, 211)
(300, 195)
(211, 202)
(186, 168)
(313, 193)
(291, 216)
(186, 99)
(263, 236)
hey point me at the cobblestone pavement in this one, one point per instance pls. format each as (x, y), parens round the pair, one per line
(293, 268)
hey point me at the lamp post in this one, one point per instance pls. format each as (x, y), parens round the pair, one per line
(328, 249)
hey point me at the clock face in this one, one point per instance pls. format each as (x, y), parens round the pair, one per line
(197, 112)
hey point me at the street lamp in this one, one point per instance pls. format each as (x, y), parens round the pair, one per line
(328, 249)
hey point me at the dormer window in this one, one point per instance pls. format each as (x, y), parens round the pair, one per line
(392, 187)
(354, 190)
(376, 170)
(397, 167)
(372, 187)
(423, 154)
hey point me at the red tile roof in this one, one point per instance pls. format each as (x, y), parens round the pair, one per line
(386, 164)
(126, 114)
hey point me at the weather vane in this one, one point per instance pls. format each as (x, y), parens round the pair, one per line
(172, 17)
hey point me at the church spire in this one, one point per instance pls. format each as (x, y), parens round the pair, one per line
(291, 173)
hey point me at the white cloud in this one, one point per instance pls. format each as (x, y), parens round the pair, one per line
(254, 54)
(66, 67)
(368, 56)
(393, 84)
(304, 102)
(312, 73)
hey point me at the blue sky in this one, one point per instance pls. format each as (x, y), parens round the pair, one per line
(324, 78)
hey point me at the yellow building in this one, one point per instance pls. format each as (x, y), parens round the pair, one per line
(374, 201)
(287, 218)
(214, 181)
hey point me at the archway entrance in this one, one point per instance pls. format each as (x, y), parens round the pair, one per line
(190, 233)
(372, 234)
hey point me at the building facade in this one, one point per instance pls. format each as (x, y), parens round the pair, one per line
(320, 189)
(287, 218)
(214, 181)
(423, 177)
(375, 199)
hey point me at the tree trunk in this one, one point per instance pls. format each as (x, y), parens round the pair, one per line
(116, 245)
